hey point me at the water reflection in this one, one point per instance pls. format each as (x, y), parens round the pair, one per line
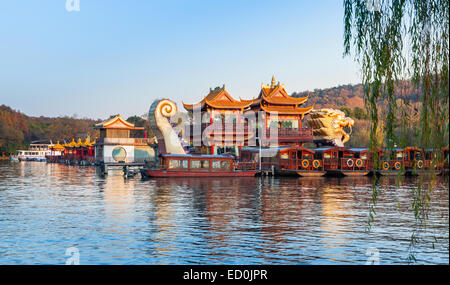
(46, 208)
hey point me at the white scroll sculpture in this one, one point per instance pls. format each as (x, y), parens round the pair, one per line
(159, 119)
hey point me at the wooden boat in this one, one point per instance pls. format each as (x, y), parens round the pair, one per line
(191, 165)
(301, 161)
(407, 161)
(285, 160)
(341, 161)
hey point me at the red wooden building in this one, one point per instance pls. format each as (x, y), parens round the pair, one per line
(228, 124)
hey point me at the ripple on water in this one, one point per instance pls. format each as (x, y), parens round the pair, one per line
(47, 208)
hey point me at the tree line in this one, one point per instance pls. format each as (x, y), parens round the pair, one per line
(18, 130)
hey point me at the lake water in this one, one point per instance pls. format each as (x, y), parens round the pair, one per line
(47, 208)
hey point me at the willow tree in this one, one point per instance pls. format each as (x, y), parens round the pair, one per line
(393, 40)
(400, 39)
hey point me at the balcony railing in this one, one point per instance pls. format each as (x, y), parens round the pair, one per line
(223, 128)
(302, 132)
(124, 141)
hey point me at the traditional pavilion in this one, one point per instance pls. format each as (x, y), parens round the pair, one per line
(221, 108)
(279, 111)
(117, 144)
(56, 149)
(283, 111)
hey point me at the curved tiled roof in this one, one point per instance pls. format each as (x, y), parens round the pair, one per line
(117, 123)
(276, 94)
(57, 147)
(273, 94)
(219, 98)
(71, 144)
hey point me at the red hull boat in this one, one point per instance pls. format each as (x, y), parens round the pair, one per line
(188, 165)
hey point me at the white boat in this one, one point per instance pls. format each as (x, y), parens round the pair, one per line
(33, 155)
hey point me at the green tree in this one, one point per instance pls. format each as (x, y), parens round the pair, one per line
(359, 113)
(382, 37)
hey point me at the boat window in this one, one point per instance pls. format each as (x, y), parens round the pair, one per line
(205, 163)
(326, 155)
(195, 164)
(225, 164)
(364, 156)
(284, 156)
(215, 164)
(184, 164)
(418, 155)
(399, 155)
(173, 163)
(307, 156)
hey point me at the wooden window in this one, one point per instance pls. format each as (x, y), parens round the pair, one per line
(307, 156)
(113, 133)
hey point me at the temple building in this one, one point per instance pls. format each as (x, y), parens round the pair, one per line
(232, 119)
(283, 113)
(220, 115)
(117, 143)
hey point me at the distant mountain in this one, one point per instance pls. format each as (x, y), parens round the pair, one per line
(352, 96)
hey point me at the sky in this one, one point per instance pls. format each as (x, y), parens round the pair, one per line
(117, 56)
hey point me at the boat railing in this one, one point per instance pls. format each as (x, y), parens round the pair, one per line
(300, 132)
(130, 141)
(331, 163)
(287, 164)
(268, 165)
(245, 165)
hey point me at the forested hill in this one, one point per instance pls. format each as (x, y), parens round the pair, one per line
(18, 130)
(350, 99)
(351, 96)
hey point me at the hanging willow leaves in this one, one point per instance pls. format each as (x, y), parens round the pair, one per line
(399, 39)
(396, 40)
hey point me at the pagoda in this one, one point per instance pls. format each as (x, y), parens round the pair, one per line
(117, 145)
(221, 116)
(278, 111)
(282, 112)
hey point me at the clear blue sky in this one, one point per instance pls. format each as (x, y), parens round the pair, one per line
(117, 56)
